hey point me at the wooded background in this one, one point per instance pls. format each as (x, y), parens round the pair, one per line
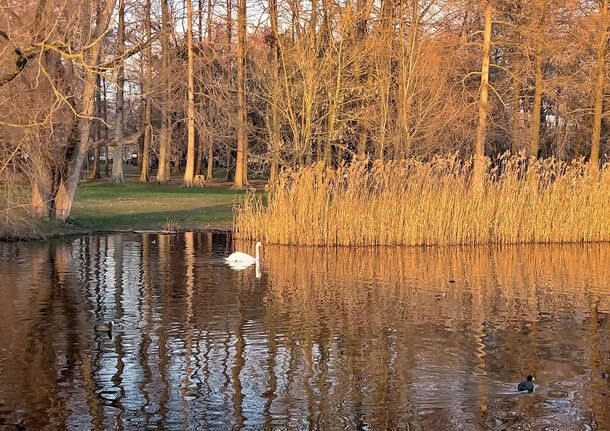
(201, 83)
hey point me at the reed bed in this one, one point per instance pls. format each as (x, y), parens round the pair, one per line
(412, 203)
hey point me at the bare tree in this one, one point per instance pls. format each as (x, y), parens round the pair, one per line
(145, 161)
(117, 153)
(241, 167)
(165, 133)
(190, 157)
(479, 151)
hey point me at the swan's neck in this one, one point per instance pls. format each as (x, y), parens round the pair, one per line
(257, 252)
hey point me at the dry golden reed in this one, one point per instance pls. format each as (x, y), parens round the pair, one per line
(411, 202)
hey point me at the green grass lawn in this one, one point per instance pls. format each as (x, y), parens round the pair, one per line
(102, 206)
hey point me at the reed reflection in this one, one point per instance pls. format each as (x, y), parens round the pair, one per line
(419, 338)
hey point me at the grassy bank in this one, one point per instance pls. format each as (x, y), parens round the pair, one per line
(101, 205)
(431, 203)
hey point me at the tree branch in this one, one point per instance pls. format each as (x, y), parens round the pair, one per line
(132, 51)
(126, 141)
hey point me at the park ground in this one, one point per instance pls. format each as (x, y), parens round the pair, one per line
(103, 206)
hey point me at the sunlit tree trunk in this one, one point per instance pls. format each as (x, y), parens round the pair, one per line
(165, 133)
(384, 76)
(117, 151)
(516, 106)
(326, 39)
(361, 28)
(241, 168)
(274, 120)
(199, 134)
(145, 163)
(189, 172)
(534, 144)
(599, 86)
(333, 100)
(407, 66)
(479, 149)
(210, 170)
(229, 65)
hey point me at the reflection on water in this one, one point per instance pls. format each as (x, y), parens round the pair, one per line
(359, 338)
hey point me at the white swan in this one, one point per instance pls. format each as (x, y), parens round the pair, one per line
(243, 260)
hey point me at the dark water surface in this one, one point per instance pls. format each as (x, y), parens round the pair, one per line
(361, 338)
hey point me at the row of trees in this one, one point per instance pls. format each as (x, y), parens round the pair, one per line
(302, 81)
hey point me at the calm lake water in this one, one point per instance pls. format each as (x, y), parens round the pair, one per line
(364, 338)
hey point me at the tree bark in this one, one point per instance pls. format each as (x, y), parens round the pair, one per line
(405, 96)
(210, 169)
(534, 144)
(145, 163)
(516, 105)
(274, 126)
(165, 133)
(106, 152)
(241, 168)
(189, 172)
(117, 152)
(95, 170)
(479, 150)
(599, 87)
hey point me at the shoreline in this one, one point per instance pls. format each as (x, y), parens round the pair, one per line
(226, 228)
(221, 227)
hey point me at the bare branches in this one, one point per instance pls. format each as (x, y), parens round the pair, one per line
(118, 142)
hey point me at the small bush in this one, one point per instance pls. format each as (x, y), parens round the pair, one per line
(171, 226)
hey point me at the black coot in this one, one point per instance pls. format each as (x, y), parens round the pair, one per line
(527, 385)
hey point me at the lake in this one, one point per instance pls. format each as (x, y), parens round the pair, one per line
(316, 338)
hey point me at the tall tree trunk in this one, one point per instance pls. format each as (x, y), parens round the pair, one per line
(361, 27)
(145, 163)
(189, 172)
(95, 170)
(274, 126)
(534, 143)
(479, 149)
(326, 39)
(516, 105)
(405, 96)
(210, 170)
(384, 77)
(229, 23)
(200, 141)
(599, 87)
(165, 134)
(117, 152)
(241, 168)
(106, 134)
